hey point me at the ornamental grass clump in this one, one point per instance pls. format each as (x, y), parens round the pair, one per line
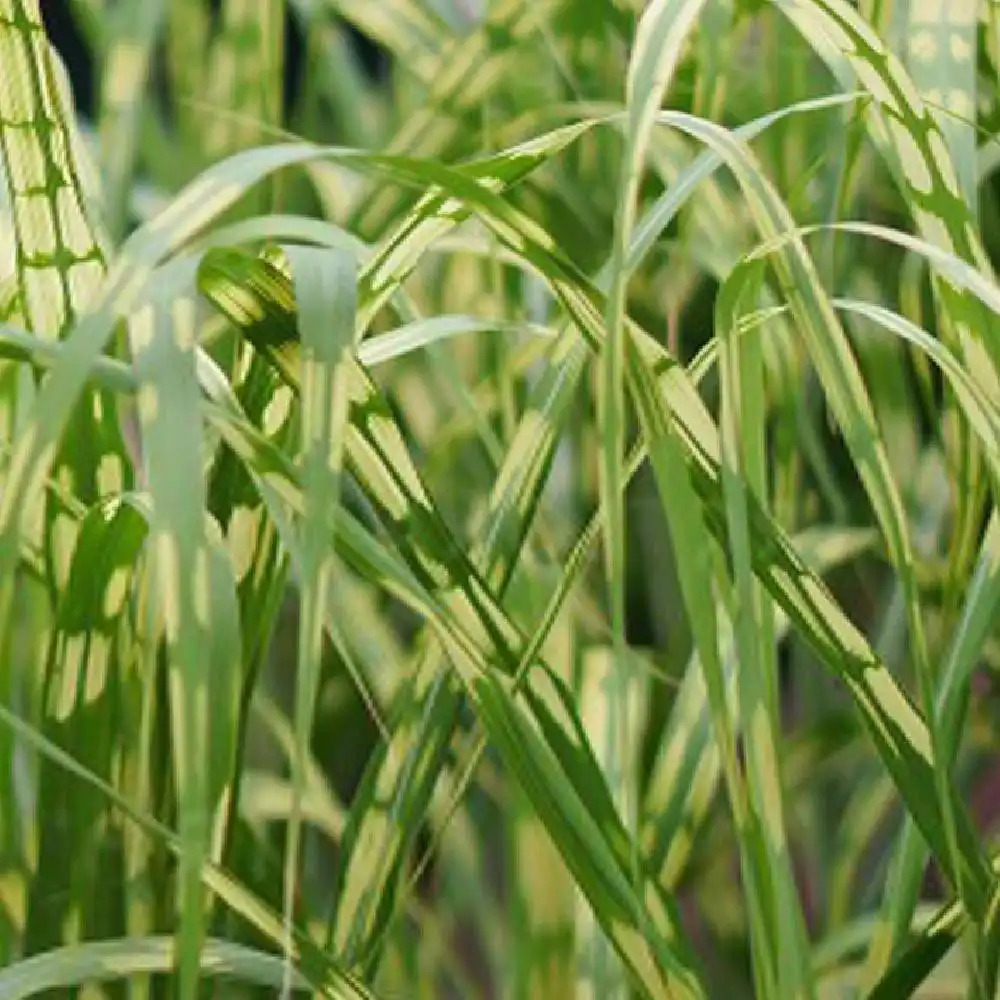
(499, 499)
